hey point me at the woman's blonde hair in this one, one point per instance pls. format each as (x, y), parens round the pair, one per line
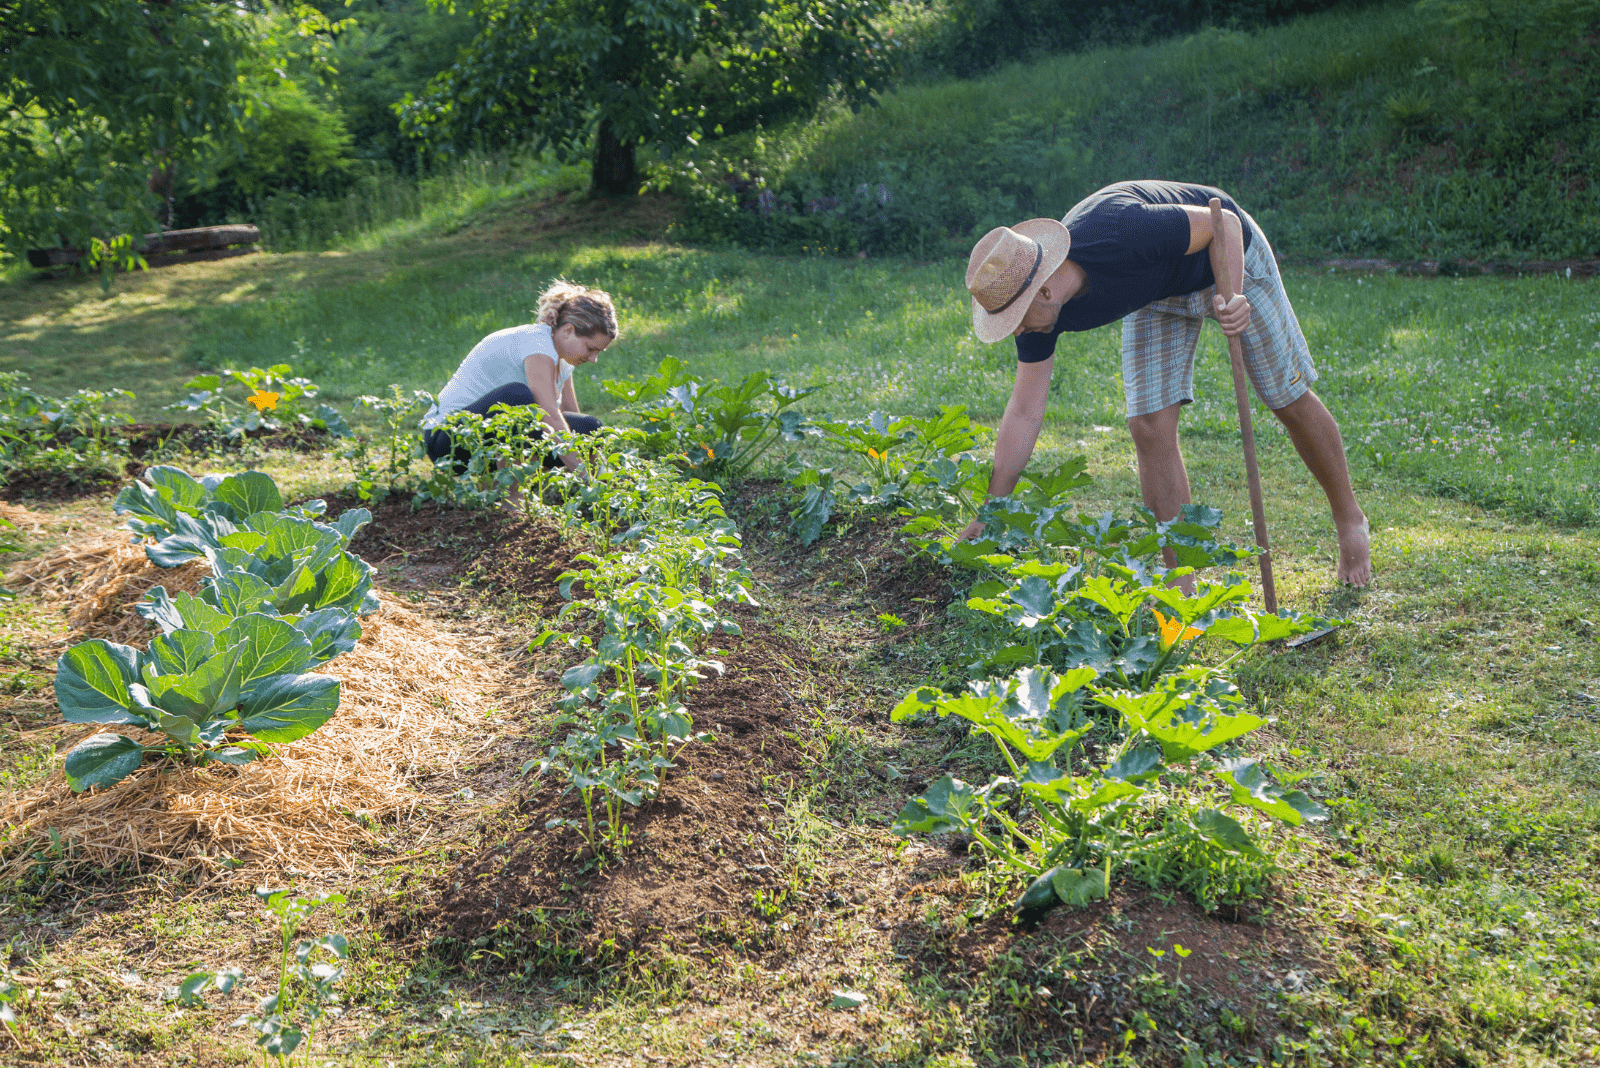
(590, 311)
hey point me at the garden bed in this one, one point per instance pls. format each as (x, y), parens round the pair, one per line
(413, 693)
(765, 844)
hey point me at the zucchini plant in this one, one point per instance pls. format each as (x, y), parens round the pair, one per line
(910, 462)
(712, 429)
(1069, 823)
(271, 394)
(1120, 745)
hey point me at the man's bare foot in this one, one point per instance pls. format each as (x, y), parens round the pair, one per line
(1355, 553)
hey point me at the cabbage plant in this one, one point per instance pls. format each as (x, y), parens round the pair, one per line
(184, 518)
(230, 671)
(209, 695)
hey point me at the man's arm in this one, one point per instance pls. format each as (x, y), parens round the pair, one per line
(1236, 316)
(1019, 430)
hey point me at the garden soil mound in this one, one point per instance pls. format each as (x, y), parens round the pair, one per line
(410, 694)
(701, 849)
(432, 548)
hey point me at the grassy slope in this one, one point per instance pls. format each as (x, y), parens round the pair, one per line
(1295, 120)
(1454, 890)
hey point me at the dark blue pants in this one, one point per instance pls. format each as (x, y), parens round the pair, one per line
(516, 395)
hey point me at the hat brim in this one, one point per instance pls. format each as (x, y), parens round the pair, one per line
(1056, 242)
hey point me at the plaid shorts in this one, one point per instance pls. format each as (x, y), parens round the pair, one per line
(1158, 341)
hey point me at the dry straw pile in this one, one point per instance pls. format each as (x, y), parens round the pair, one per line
(410, 694)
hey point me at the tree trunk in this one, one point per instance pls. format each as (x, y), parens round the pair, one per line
(613, 172)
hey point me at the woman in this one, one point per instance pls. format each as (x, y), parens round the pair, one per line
(530, 364)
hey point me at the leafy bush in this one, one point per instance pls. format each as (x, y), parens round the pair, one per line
(230, 671)
(711, 429)
(295, 145)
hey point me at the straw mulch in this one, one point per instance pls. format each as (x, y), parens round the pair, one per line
(410, 692)
(97, 582)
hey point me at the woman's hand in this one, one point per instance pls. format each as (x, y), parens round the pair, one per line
(972, 530)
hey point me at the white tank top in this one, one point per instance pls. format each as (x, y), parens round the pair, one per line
(498, 360)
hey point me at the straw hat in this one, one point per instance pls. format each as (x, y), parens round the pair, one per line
(1006, 269)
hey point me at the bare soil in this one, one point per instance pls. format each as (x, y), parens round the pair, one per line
(701, 850)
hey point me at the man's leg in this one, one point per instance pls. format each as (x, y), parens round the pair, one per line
(1316, 438)
(1163, 479)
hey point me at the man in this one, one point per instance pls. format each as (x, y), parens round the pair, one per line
(1144, 252)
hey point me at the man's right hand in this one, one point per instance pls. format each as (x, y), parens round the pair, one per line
(974, 528)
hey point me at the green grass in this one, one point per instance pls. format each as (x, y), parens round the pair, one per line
(1486, 388)
(384, 207)
(1447, 909)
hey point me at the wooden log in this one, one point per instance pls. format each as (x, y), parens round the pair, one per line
(203, 237)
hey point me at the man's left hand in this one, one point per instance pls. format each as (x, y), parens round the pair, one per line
(1234, 316)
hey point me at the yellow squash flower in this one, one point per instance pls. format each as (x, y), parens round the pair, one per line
(874, 453)
(262, 401)
(1173, 632)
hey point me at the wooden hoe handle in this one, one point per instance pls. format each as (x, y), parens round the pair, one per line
(1241, 394)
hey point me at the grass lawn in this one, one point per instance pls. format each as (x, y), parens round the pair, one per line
(1444, 916)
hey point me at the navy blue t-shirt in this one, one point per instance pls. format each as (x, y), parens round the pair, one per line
(1132, 241)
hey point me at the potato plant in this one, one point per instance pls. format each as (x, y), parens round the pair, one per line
(658, 599)
(230, 670)
(309, 971)
(383, 465)
(75, 435)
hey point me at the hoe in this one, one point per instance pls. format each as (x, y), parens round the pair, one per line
(1241, 394)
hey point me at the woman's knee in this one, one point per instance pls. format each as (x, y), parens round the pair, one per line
(580, 423)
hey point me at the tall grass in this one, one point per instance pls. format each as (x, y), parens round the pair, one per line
(384, 205)
(1382, 131)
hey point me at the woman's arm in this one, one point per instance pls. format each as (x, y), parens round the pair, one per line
(569, 397)
(542, 384)
(1019, 430)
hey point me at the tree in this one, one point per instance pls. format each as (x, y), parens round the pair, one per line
(620, 73)
(104, 101)
(102, 98)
